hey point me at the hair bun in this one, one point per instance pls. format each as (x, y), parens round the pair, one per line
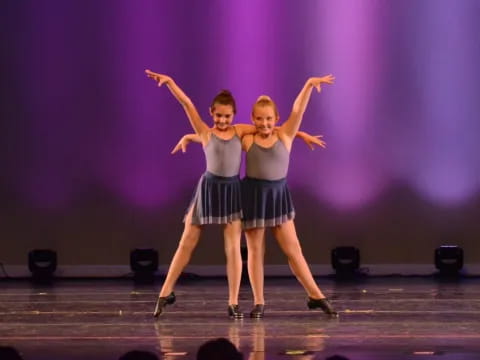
(264, 98)
(225, 92)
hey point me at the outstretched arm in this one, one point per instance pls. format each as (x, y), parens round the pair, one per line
(184, 141)
(310, 140)
(244, 129)
(198, 125)
(291, 126)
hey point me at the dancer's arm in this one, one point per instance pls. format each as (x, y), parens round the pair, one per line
(244, 129)
(241, 130)
(291, 126)
(184, 141)
(198, 125)
(310, 140)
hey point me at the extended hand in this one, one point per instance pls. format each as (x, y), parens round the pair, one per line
(182, 144)
(159, 78)
(311, 140)
(318, 81)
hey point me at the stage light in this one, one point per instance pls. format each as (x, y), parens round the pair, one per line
(345, 260)
(42, 263)
(449, 259)
(144, 264)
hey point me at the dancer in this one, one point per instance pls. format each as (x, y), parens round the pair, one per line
(217, 198)
(265, 196)
(266, 199)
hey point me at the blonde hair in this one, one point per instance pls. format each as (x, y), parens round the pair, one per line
(265, 100)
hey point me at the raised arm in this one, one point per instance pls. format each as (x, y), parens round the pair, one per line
(291, 126)
(195, 120)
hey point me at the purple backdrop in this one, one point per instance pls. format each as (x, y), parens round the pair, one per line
(78, 113)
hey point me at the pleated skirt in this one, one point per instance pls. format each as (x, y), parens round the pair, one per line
(216, 200)
(265, 203)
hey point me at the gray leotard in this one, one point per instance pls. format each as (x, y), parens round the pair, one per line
(268, 163)
(223, 156)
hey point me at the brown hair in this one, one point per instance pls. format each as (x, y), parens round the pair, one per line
(224, 97)
(265, 100)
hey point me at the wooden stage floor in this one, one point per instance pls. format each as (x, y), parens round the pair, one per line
(380, 318)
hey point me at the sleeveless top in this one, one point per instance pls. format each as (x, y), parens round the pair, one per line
(223, 156)
(268, 163)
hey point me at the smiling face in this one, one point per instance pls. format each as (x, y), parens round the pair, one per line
(264, 119)
(222, 116)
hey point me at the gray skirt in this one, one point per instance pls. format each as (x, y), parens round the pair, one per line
(266, 203)
(216, 200)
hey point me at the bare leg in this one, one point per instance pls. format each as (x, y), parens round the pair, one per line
(290, 245)
(256, 251)
(188, 243)
(232, 234)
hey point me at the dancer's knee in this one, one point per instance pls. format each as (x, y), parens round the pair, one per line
(188, 242)
(293, 251)
(232, 248)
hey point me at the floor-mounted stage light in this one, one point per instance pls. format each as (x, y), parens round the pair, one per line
(449, 259)
(144, 264)
(42, 263)
(345, 260)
